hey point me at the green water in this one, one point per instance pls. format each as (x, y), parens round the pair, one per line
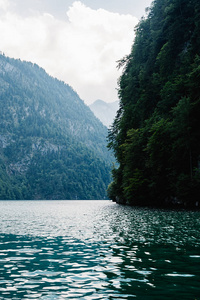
(97, 250)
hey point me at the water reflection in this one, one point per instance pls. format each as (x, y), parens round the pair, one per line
(97, 250)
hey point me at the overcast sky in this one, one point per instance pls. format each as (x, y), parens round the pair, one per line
(78, 42)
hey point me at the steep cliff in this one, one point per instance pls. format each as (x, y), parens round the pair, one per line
(155, 135)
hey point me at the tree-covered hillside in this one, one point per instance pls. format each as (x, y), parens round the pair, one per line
(51, 145)
(156, 134)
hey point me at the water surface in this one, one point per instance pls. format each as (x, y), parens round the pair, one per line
(97, 250)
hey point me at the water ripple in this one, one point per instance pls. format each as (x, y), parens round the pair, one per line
(97, 250)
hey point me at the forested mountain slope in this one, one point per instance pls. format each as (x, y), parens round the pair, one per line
(156, 136)
(51, 145)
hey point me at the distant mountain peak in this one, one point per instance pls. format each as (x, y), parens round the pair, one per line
(105, 111)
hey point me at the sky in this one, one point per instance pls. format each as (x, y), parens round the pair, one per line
(78, 42)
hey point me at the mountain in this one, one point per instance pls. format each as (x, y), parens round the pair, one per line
(156, 136)
(104, 111)
(51, 145)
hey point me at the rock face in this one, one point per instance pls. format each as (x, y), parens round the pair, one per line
(51, 145)
(105, 112)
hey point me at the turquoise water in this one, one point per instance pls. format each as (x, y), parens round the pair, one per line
(97, 250)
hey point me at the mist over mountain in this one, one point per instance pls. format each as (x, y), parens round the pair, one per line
(51, 145)
(104, 111)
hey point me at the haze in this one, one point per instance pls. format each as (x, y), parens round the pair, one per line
(78, 42)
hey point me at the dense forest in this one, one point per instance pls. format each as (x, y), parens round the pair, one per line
(51, 144)
(156, 133)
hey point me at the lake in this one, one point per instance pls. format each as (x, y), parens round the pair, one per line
(97, 250)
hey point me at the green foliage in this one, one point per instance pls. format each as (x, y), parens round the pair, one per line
(155, 136)
(51, 145)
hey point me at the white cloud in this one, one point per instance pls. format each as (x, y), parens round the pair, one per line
(82, 51)
(4, 4)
